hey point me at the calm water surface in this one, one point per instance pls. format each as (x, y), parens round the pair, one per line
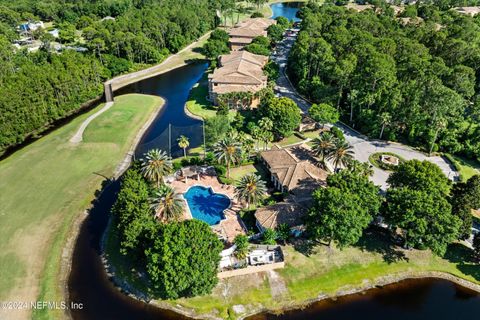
(89, 284)
(288, 10)
(411, 299)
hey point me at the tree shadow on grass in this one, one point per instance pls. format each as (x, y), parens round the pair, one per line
(463, 256)
(458, 253)
(377, 240)
(305, 247)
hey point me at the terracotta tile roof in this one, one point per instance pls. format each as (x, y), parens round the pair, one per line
(251, 28)
(295, 169)
(240, 69)
(259, 23)
(243, 55)
(242, 41)
(233, 88)
(283, 212)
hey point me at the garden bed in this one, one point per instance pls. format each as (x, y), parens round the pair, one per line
(376, 160)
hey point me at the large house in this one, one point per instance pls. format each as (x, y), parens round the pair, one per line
(292, 170)
(245, 32)
(239, 71)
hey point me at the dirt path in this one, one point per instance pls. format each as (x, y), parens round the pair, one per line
(278, 288)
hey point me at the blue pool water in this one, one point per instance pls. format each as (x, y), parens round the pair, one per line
(206, 205)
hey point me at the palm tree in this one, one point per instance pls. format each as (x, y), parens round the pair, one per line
(352, 97)
(341, 154)
(323, 145)
(227, 151)
(385, 119)
(167, 204)
(156, 165)
(183, 143)
(362, 168)
(251, 188)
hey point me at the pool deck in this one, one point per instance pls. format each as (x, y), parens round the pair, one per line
(232, 225)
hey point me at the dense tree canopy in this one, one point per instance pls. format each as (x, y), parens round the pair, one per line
(284, 113)
(183, 259)
(465, 197)
(417, 203)
(425, 218)
(39, 88)
(421, 176)
(134, 217)
(395, 79)
(344, 209)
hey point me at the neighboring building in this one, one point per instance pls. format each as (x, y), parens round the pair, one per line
(108, 18)
(272, 216)
(239, 71)
(31, 26)
(55, 33)
(245, 32)
(293, 170)
(471, 11)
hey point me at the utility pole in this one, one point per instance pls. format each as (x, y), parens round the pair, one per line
(204, 144)
(170, 140)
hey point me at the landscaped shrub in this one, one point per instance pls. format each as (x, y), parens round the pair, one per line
(220, 170)
(256, 14)
(269, 236)
(376, 160)
(337, 133)
(210, 158)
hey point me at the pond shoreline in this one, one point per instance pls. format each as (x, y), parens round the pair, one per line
(126, 288)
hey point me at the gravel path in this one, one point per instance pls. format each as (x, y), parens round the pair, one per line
(362, 146)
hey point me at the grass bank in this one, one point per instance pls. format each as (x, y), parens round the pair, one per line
(316, 271)
(467, 168)
(47, 185)
(312, 272)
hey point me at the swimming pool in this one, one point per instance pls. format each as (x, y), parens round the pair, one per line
(206, 205)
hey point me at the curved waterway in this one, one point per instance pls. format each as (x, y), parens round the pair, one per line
(89, 284)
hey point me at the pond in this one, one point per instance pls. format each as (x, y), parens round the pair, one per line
(286, 9)
(409, 299)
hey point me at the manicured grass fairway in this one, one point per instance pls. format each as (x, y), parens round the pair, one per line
(46, 185)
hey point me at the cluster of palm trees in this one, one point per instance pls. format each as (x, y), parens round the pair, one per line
(327, 147)
(167, 205)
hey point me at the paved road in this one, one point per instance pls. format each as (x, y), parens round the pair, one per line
(362, 146)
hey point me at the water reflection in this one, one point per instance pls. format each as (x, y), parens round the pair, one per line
(411, 299)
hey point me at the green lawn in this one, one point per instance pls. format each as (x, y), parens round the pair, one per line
(197, 103)
(48, 184)
(468, 168)
(239, 172)
(312, 271)
(289, 140)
